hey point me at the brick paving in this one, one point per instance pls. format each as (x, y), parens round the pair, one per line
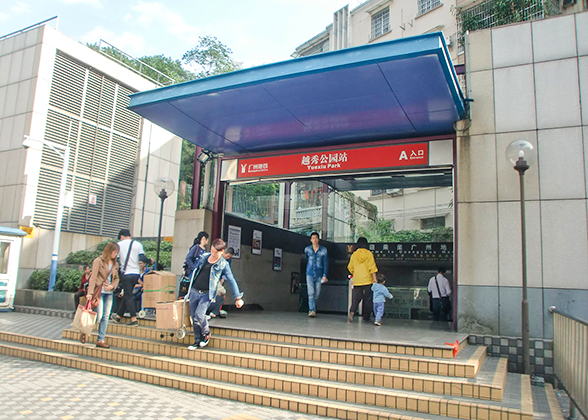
(36, 390)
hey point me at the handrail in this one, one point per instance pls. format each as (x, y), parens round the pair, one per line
(28, 27)
(554, 310)
(570, 356)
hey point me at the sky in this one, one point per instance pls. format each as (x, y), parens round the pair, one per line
(257, 31)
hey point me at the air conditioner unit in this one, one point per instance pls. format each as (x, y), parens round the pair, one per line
(448, 41)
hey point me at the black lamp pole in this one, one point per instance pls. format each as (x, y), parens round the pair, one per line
(521, 166)
(162, 196)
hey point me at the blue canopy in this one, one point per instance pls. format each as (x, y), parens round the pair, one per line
(6, 231)
(398, 89)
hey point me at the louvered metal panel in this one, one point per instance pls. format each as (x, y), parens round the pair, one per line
(92, 102)
(126, 121)
(67, 86)
(121, 171)
(106, 102)
(102, 163)
(118, 203)
(77, 215)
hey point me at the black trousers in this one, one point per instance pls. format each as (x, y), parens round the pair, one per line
(77, 297)
(362, 293)
(128, 304)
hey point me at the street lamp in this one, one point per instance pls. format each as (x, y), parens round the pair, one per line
(163, 187)
(30, 142)
(522, 155)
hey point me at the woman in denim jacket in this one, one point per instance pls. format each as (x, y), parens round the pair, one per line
(209, 269)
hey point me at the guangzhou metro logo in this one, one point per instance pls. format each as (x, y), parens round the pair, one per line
(414, 154)
(252, 168)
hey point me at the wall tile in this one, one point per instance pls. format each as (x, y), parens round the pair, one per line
(24, 94)
(478, 244)
(508, 178)
(479, 53)
(11, 97)
(7, 45)
(480, 303)
(585, 134)
(5, 64)
(583, 75)
(28, 63)
(582, 33)
(569, 301)
(558, 96)
(8, 204)
(508, 53)
(481, 90)
(554, 38)
(511, 318)
(509, 243)
(19, 41)
(477, 169)
(16, 67)
(514, 96)
(561, 164)
(564, 233)
(3, 90)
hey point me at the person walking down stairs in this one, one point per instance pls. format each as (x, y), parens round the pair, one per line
(209, 269)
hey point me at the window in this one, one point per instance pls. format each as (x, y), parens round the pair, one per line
(433, 222)
(380, 23)
(428, 5)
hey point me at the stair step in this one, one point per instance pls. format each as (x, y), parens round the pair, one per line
(465, 364)
(238, 364)
(441, 351)
(413, 406)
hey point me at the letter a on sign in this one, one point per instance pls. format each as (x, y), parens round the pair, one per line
(403, 155)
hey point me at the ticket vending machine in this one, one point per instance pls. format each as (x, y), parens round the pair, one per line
(10, 243)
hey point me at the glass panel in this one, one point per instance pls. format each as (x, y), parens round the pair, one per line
(4, 254)
(258, 201)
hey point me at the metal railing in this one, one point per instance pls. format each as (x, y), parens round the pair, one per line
(28, 28)
(570, 354)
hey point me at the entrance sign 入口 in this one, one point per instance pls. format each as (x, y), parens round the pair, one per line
(234, 240)
(340, 160)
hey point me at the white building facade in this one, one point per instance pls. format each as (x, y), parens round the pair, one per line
(56, 89)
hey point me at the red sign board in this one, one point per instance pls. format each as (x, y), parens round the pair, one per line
(393, 156)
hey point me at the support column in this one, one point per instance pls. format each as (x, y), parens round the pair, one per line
(287, 194)
(196, 174)
(218, 208)
(325, 218)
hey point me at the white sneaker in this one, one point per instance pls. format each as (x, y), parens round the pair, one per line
(194, 346)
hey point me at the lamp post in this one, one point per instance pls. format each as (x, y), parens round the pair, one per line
(163, 187)
(522, 155)
(30, 142)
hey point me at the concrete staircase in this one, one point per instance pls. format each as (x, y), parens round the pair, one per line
(336, 378)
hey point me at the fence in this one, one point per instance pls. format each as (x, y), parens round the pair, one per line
(570, 352)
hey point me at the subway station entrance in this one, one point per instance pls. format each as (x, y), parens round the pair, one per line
(346, 143)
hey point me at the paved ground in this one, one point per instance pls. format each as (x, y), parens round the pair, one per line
(36, 390)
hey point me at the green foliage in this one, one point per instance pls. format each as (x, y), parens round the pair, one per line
(186, 175)
(497, 13)
(168, 66)
(68, 279)
(380, 230)
(165, 251)
(211, 57)
(85, 257)
(40, 280)
(252, 199)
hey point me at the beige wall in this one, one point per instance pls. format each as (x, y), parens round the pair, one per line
(531, 89)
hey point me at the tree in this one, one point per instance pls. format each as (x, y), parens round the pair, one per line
(211, 57)
(168, 66)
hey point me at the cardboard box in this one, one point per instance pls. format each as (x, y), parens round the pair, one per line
(168, 315)
(158, 286)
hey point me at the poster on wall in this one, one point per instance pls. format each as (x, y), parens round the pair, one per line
(234, 240)
(256, 242)
(277, 265)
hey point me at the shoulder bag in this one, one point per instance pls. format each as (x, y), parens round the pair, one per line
(445, 300)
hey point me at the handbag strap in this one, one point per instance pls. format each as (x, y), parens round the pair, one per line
(128, 255)
(438, 287)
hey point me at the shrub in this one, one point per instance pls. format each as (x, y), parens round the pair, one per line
(165, 251)
(40, 280)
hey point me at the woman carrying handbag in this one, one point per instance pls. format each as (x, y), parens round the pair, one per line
(103, 281)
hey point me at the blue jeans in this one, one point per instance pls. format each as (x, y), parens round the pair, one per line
(379, 310)
(103, 310)
(199, 303)
(313, 285)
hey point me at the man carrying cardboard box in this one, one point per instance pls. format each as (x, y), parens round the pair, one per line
(209, 269)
